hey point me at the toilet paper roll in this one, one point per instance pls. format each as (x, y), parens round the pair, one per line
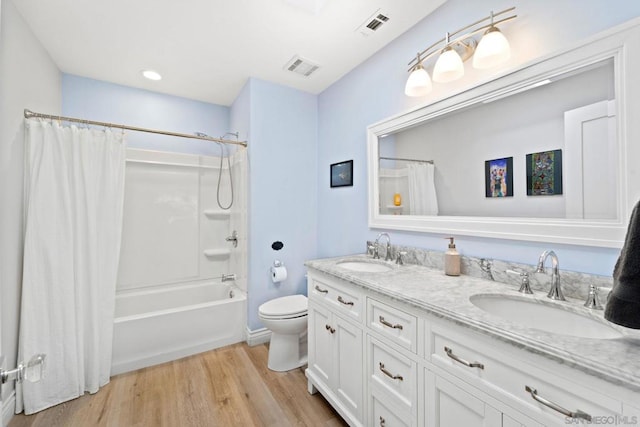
(278, 274)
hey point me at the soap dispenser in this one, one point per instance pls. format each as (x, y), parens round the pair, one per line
(451, 259)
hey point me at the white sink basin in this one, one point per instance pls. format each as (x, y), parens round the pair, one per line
(365, 266)
(543, 316)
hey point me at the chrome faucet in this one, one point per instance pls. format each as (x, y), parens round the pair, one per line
(593, 302)
(554, 292)
(376, 254)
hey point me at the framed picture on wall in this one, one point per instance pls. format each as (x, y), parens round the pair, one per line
(498, 174)
(544, 173)
(342, 174)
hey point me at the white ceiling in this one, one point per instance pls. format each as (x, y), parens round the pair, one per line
(206, 49)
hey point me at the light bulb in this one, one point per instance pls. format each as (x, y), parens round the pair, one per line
(418, 83)
(492, 50)
(448, 67)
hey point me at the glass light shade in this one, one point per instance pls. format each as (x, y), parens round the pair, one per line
(418, 83)
(448, 66)
(492, 50)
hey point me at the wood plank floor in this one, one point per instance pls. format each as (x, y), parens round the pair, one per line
(230, 386)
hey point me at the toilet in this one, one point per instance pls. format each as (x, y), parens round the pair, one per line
(286, 318)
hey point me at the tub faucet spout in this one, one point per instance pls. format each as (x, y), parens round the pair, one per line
(555, 292)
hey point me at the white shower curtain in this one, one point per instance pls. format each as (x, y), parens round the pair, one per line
(422, 189)
(74, 190)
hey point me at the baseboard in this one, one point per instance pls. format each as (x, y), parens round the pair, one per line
(257, 337)
(8, 409)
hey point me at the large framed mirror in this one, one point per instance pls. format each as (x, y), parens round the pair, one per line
(544, 153)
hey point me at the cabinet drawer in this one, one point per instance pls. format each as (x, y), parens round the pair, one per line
(482, 364)
(384, 413)
(392, 372)
(343, 299)
(394, 324)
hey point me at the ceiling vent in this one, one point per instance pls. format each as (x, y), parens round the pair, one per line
(301, 66)
(373, 23)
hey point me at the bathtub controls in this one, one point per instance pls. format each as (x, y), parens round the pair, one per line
(233, 238)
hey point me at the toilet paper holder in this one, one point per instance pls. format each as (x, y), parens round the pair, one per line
(277, 263)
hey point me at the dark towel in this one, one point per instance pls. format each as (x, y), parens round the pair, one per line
(623, 305)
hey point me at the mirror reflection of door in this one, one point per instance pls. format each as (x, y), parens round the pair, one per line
(591, 158)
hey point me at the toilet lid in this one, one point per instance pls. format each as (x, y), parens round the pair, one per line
(291, 306)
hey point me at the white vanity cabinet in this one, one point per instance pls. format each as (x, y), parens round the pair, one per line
(449, 405)
(335, 351)
(537, 388)
(384, 362)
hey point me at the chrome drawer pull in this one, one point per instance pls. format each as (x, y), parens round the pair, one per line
(322, 291)
(385, 323)
(383, 423)
(577, 414)
(329, 328)
(464, 362)
(343, 301)
(389, 374)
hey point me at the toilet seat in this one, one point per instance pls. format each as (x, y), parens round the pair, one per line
(288, 307)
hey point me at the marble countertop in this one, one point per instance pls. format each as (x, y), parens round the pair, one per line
(615, 360)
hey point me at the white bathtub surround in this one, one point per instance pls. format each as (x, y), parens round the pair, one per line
(74, 198)
(161, 324)
(170, 300)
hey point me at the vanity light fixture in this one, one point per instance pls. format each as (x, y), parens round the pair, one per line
(493, 48)
(455, 48)
(449, 65)
(152, 75)
(419, 82)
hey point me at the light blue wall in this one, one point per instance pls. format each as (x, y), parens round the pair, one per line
(107, 102)
(280, 124)
(240, 114)
(375, 90)
(282, 189)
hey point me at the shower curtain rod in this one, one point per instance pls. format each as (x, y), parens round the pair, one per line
(30, 114)
(406, 160)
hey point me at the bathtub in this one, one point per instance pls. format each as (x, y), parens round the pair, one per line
(157, 325)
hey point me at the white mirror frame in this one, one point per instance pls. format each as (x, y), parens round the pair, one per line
(622, 44)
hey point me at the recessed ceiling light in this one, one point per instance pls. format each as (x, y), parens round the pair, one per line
(312, 6)
(152, 75)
